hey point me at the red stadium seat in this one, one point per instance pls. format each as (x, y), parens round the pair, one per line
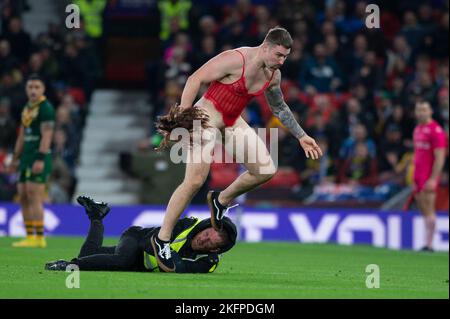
(442, 199)
(284, 178)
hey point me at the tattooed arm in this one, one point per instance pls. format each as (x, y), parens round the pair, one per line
(281, 110)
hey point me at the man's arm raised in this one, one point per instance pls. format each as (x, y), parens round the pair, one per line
(281, 110)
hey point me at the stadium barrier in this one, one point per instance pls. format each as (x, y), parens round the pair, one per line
(393, 229)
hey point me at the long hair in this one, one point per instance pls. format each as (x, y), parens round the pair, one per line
(179, 117)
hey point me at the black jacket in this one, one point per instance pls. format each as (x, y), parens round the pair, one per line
(187, 260)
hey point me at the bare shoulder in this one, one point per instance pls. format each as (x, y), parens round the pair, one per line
(276, 79)
(246, 50)
(230, 57)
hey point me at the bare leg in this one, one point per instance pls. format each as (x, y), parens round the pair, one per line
(35, 193)
(260, 168)
(195, 176)
(27, 213)
(430, 216)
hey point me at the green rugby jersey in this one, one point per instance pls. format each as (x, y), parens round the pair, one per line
(32, 117)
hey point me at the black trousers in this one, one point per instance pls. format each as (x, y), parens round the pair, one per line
(126, 256)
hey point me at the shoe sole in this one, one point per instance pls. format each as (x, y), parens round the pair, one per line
(211, 209)
(88, 207)
(160, 264)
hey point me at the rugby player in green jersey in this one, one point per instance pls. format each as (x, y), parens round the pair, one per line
(32, 159)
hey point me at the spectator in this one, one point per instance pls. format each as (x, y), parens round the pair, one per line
(411, 30)
(315, 173)
(71, 138)
(320, 72)
(352, 115)
(181, 40)
(60, 182)
(50, 66)
(398, 91)
(8, 61)
(177, 67)
(400, 50)
(11, 87)
(321, 104)
(393, 151)
(92, 14)
(327, 28)
(7, 126)
(7, 181)
(398, 118)
(35, 64)
(290, 155)
(173, 12)
(400, 70)
(361, 168)
(235, 33)
(358, 135)
(369, 74)
(422, 87)
(207, 51)
(292, 66)
(349, 25)
(294, 102)
(440, 37)
(19, 40)
(355, 58)
(207, 28)
(443, 109)
(297, 10)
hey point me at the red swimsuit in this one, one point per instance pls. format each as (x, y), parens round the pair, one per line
(231, 99)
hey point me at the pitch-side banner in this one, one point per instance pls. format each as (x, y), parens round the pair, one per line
(395, 230)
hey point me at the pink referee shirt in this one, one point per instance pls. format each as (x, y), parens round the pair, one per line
(427, 138)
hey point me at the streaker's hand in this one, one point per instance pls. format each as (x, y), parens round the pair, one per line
(310, 147)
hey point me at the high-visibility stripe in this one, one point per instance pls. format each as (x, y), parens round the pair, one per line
(150, 261)
(213, 268)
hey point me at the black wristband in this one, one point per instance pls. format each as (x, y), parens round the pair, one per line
(40, 156)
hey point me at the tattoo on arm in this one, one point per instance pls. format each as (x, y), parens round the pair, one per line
(281, 110)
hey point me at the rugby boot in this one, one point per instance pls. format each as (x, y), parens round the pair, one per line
(94, 210)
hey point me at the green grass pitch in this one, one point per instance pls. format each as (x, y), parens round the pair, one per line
(260, 270)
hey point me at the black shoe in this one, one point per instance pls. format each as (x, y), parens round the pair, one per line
(57, 265)
(163, 254)
(218, 211)
(427, 249)
(95, 210)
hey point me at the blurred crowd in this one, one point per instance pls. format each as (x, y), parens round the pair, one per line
(351, 88)
(67, 62)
